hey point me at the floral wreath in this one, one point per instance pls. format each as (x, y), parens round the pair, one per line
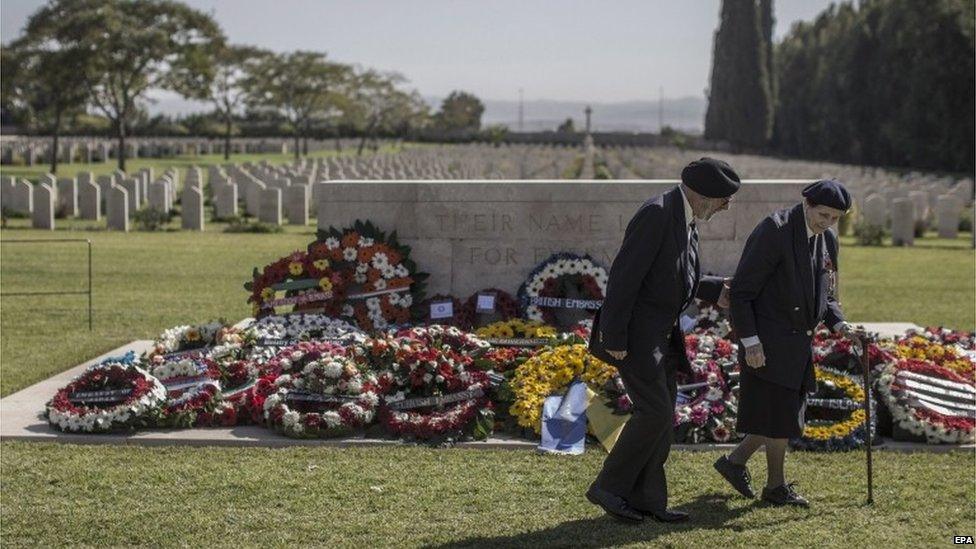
(564, 289)
(214, 338)
(583, 329)
(842, 422)
(711, 320)
(192, 391)
(423, 313)
(309, 280)
(505, 308)
(132, 398)
(915, 416)
(551, 372)
(945, 355)
(704, 347)
(383, 281)
(710, 413)
(330, 397)
(447, 337)
(517, 329)
(237, 380)
(267, 336)
(433, 392)
(945, 336)
(837, 352)
(294, 358)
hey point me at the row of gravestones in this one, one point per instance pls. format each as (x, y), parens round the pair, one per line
(904, 213)
(86, 197)
(31, 151)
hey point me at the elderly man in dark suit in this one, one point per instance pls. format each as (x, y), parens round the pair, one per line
(655, 275)
(783, 288)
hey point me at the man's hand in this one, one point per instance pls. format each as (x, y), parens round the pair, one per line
(723, 296)
(619, 355)
(849, 330)
(755, 357)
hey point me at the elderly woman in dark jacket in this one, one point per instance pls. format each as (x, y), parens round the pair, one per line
(783, 288)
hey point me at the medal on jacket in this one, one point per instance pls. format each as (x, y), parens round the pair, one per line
(831, 276)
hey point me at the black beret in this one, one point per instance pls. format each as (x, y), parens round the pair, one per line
(710, 177)
(828, 192)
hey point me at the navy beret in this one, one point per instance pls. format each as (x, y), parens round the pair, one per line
(828, 192)
(710, 177)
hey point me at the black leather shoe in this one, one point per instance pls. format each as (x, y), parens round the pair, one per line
(737, 475)
(614, 505)
(784, 495)
(666, 515)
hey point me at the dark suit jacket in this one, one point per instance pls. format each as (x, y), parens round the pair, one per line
(647, 287)
(773, 296)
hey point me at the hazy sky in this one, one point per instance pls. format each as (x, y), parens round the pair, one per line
(601, 51)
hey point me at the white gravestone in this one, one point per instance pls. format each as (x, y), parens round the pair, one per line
(902, 222)
(89, 200)
(947, 214)
(117, 212)
(22, 197)
(875, 210)
(43, 215)
(159, 196)
(68, 196)
(192, 216)
(271, 206)
(225, 201)
(296, 204)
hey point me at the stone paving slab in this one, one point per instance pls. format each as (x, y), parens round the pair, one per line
(20, 420)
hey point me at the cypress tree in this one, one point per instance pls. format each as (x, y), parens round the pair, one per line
(739, 102)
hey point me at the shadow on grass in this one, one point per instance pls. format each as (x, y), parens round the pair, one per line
(709, 511)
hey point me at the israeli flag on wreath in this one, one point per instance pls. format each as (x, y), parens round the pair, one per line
(564, 421)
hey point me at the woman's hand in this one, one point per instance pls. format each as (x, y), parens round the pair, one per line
(619, 355)
(755, 357)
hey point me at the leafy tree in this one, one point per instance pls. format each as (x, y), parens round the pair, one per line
(44, 81)
(229, 89)
(460, 111)
(568, 126)
(375, 105)
(134, 46)
(883, 82)
(301, 86)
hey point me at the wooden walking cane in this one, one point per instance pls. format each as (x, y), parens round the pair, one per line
(869, 437)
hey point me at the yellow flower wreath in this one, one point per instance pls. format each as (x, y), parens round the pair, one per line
(550, 372)
(516, 327)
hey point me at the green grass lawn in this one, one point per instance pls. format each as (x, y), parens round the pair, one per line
(931, 283)
(68, 495)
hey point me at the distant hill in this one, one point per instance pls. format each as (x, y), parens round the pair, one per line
(685, 113)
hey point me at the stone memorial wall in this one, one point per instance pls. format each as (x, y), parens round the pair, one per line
(472, 235)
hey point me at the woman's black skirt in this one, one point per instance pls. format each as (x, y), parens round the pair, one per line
(768, 409)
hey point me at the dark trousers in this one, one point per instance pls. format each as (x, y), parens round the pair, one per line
(634, 469)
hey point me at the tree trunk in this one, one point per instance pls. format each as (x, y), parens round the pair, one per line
(121, 129)
(54, 145)
(308, 129)
(366, 135)
(298, 137)
(227, 130)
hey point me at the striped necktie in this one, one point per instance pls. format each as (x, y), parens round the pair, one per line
(692, 267)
